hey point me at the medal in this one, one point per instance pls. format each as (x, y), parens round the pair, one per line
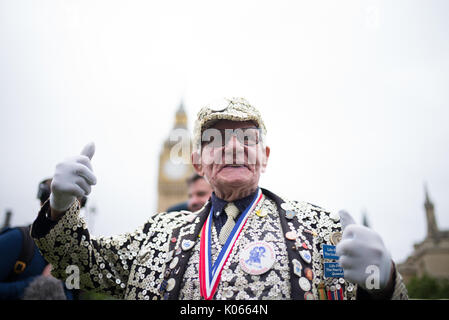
(257, 258)
(210, 274)
(321, 291)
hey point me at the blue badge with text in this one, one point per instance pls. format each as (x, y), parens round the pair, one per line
(333, 270)
(329, 252)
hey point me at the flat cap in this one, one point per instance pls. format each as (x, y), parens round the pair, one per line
(234, 109)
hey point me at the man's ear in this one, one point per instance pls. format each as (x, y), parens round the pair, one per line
(196, 162)
(265, 157)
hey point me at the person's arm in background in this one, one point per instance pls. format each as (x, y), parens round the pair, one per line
(10, 246)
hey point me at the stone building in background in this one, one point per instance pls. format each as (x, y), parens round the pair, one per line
(430, 256)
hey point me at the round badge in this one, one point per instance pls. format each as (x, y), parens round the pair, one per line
(308, 273)
(257, 258)
(290, 214)
(335, 238)
(309, 296)
(304, 284)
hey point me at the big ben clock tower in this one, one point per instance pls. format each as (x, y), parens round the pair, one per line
(175, 164)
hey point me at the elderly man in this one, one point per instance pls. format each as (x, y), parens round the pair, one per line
(245, 243)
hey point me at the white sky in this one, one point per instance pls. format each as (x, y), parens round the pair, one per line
(354, 94)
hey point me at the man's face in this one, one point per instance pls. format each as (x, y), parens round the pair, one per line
(236, 163)
(199, 193)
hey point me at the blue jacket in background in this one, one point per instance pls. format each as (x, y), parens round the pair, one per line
(10, 248)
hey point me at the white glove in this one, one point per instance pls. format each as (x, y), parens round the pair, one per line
(363, 256)
(73, 178)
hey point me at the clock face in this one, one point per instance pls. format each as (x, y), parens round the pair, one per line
(174, 170)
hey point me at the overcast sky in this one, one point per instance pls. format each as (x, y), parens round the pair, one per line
(354, 95)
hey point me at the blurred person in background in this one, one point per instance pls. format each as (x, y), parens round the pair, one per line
(199, 191)
(24, 273)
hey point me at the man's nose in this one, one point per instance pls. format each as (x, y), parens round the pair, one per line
(195, 202)
(234, 151)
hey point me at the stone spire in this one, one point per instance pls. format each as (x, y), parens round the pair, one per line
(432, 228)
(181, 117)
(365, 221)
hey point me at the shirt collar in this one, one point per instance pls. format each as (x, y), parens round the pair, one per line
(219, 204)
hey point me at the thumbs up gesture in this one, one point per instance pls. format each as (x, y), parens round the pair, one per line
(72, 179)
(363, 256)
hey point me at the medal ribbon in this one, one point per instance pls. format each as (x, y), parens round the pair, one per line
(210, 275)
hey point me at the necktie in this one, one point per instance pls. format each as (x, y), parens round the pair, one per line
(231, 211)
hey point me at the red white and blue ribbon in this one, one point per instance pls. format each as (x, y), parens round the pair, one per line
(210, 274)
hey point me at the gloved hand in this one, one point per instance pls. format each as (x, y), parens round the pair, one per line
(73, 178)
(360, 249)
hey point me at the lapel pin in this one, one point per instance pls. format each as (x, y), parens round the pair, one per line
(187, 244)
(305, 255)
